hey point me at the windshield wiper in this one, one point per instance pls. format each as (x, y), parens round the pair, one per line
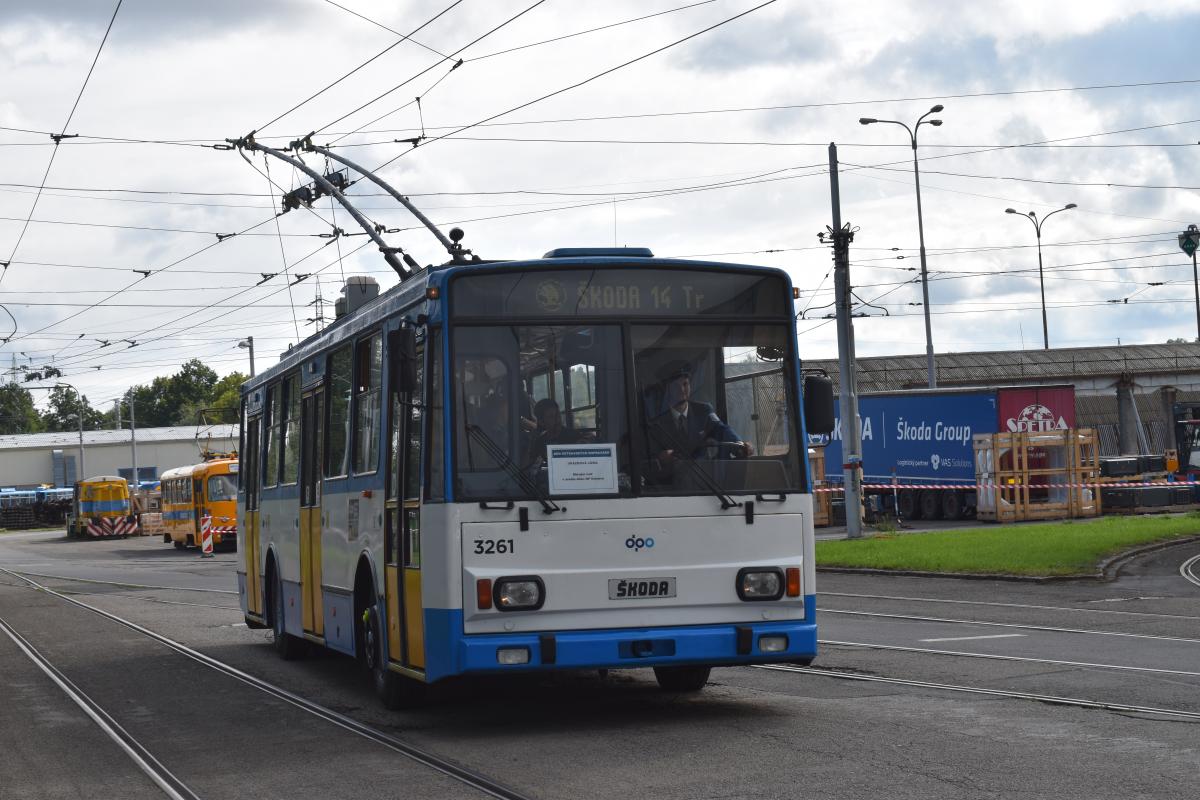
(680, 449)
(498, 455)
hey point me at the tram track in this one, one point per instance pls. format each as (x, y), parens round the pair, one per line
(450, 769)
(1000, 657)
(1030, 606)
(981, 690)
(171, 785)
(125, 584)
(1017, 625)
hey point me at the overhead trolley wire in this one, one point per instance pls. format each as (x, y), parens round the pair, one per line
(585, 81)
(329, 86)
(412, 78)
(378, 24)
(54, 152)
(140, 278)
(591, 30)
(140, 337)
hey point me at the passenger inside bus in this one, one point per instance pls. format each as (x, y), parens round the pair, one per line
(551, 430)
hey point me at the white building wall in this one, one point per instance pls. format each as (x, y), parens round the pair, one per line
(35, 465)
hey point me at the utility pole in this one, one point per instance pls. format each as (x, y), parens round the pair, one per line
(848, 383)
(319, 303)
(133, 442)
(1189, 241)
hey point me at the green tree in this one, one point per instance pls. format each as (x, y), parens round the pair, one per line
(65, 406)
(173, 399)
(17, 414)
(227, 395)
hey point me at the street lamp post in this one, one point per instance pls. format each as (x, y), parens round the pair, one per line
(79, 397)
(248, 344)
(912, 137)
(1037, 226)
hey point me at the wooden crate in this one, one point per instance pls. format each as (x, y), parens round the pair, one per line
(822, 501)
(1037, 475)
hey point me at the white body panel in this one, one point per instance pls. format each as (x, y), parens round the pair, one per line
(577, 551)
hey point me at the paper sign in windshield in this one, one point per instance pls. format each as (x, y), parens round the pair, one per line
(582, 468)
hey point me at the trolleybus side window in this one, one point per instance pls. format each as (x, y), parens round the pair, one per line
(312, 432)
(251, 465)
(289, 426)
(340, 366)
(241, 440)
(434, 452)
(404, 476)
(412, 470)
(271, 414)
(368, 375)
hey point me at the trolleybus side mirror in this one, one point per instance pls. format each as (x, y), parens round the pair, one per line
(818, 404)
(404, 346)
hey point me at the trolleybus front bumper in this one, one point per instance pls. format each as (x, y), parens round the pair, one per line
(627, 648)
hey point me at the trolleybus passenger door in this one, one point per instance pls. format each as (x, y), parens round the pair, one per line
(252, 475)
(402, 550)
(312, 425)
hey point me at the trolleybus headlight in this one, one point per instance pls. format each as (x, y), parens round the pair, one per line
(760, 583)
(520, 593)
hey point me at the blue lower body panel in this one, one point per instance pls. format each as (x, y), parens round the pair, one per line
(448, 652)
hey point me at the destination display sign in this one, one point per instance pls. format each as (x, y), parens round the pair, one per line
(625, 292)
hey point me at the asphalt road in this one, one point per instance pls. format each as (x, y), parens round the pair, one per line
(755, 733)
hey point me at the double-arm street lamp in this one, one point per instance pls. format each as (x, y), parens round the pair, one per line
(912, 137)
(1037, 226)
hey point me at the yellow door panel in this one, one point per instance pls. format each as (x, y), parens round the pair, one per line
(253, 584)
(414, 618)
(315, 570)
(392, 578)
(306, 614)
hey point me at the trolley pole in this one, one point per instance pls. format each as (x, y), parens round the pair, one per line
(848, 383)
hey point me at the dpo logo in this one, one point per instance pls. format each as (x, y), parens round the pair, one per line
(1036, 418)
(637, 543)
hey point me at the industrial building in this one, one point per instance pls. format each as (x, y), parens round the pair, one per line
(59, 459)
(1125, 392)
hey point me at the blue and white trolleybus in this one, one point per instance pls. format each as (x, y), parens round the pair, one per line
(595, 459)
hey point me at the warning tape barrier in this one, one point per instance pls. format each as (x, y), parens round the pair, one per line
(977, 486)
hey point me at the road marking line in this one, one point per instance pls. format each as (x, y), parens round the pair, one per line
(971, 638)
(1185, 569)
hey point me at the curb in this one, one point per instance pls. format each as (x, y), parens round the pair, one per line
(1108, 570)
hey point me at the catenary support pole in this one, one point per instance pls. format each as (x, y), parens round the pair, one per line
(133, 442)
(1196, 282)
(848, 383)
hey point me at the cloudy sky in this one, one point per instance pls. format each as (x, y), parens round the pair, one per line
(713, 147)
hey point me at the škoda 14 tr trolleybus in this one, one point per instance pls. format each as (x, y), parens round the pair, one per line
(591, 460)
(596, 459)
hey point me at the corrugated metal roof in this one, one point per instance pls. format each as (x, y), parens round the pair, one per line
(67, 439)
(993, 368)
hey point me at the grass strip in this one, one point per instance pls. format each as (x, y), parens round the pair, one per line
(1072, 547)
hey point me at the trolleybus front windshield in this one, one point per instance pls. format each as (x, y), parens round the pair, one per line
(544, 407)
